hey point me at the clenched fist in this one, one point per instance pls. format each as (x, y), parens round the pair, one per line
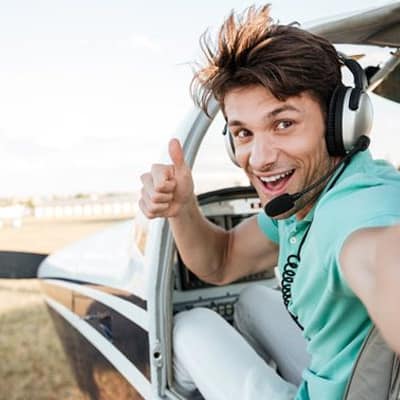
(167, 188)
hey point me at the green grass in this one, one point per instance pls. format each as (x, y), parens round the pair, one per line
(33, 365)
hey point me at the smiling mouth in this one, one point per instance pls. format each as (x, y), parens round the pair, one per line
(276, 182)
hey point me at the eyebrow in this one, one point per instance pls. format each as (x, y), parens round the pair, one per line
(273, 113)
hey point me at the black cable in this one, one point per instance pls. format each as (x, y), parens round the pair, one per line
(293, 260)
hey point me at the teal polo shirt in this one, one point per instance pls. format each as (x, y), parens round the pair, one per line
(335, 321)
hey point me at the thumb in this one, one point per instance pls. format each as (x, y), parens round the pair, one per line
(176, 153)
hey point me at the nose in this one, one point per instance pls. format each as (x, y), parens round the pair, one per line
(264, 153)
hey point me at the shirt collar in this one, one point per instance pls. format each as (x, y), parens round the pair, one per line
(351, 168)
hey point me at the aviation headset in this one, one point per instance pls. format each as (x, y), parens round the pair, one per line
(349, 116)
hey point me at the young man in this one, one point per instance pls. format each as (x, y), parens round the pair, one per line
(337, 247)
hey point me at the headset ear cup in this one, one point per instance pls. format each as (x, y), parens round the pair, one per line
(330, 123)
(358, 121)
(350, 112)
(334, 133)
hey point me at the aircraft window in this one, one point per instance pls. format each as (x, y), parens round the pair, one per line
(213, 168)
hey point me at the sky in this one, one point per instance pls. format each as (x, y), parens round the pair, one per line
(91, 90)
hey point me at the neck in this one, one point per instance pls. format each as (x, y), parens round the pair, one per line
(305, 210)
(301, 214)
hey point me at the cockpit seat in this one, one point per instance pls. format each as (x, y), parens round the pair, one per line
(376, 373)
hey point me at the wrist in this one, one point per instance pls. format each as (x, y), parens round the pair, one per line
(186, 210)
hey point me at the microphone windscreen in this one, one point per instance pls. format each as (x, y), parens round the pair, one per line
(279, 205)
(363, 143)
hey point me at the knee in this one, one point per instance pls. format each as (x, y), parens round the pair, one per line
(249, 298)
(192, 326)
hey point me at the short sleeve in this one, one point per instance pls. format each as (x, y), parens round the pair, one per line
(268, 226)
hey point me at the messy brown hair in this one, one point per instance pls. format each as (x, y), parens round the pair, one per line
(253, 50)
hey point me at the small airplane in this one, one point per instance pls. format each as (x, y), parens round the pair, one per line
(112, 295)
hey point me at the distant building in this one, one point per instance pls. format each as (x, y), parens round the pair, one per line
(13, 214)
(86, 206)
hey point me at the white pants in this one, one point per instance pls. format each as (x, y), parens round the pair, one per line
(212, 358)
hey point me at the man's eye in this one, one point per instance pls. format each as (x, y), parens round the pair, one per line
(284, 124)
(243, 133)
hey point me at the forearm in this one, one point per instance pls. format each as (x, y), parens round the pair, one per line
(201, 244)
(370, 262)
(384, 308)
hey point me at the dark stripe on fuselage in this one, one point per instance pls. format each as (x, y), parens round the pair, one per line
(95, 375)
(128, 337)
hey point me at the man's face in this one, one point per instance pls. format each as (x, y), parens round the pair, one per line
(279, 144)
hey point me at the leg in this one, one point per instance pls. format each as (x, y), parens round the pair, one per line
(212, 356)
(263, 320)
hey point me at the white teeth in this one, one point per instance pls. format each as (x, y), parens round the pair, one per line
(274, 178)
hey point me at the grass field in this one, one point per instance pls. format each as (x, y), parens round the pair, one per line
(33, 365)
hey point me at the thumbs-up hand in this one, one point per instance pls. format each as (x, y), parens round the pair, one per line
(167, 188)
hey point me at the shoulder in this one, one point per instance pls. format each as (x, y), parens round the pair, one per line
(367, 198)
(370, 192)
(268, 226)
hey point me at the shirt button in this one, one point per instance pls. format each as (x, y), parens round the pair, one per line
(293, 240)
